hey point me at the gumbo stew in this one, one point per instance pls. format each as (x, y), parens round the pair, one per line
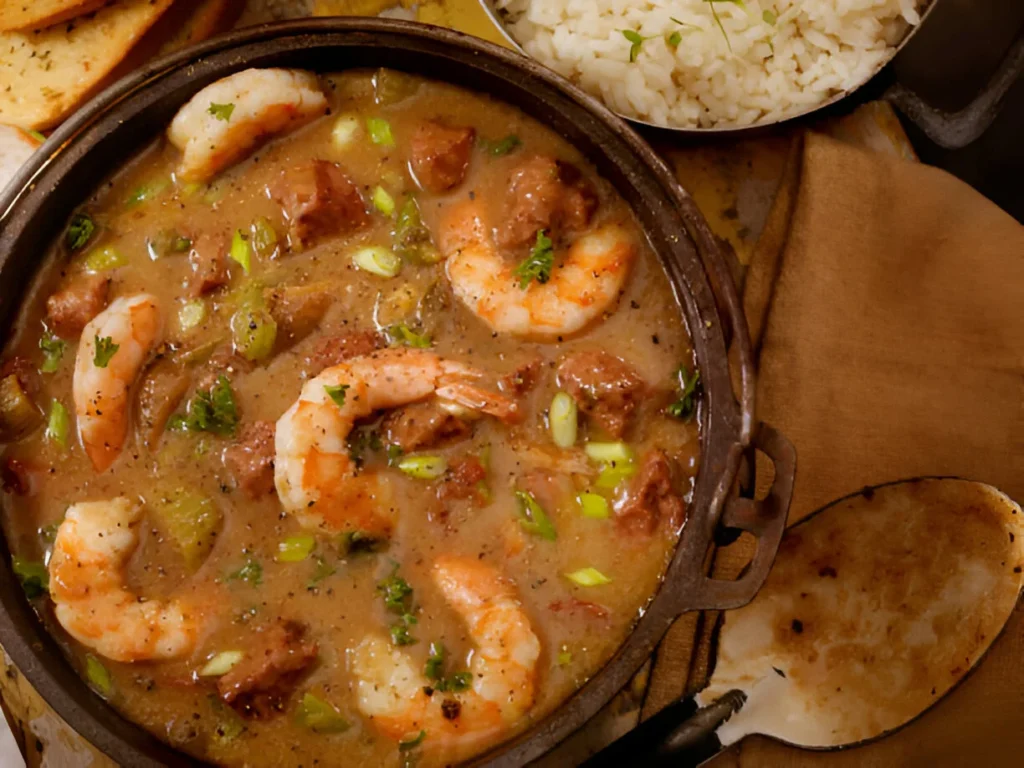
(352, 422)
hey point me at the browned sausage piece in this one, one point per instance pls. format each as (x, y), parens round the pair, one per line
(260, 683)
(332, 350)
(70, 309)
(440, 155)
(319, 200)
(576, 606)
(25, 370)
(462, 480)
(604, 387)
(209, 261)
(545, 194)
(522, 379)
(422, 424)
(251, 459)
(19, 478)
(162, 389)
(651, 499)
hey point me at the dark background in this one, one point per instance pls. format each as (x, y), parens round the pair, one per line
(949, 61)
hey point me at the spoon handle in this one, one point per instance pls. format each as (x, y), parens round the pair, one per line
(681, 735)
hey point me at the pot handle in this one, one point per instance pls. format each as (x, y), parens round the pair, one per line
(765, 520)
(953, 130)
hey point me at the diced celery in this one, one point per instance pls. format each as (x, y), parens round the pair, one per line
(98, 675)
(221, 663)
(377, 260)
(608, 453)
(34, 577)
(382, 201)
(102, 259)
(380, 131)
(588, 577)
(58, 425)
(18, 413)
(320, 716)
(423, 467)
(254, 332)
(191, 314)
(593, 505)
(295, 548)
(191, 522)
(345, 130)
(240, 250)
(562, 420)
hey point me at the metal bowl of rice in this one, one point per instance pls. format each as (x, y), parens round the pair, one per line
(711, 65)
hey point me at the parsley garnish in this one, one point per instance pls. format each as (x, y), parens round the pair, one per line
(221, 111)
(718, 20)
(539, 264)
(105, 350)
(336, 393)
(677, 37)
(80, 230)
(214, 411)
(251, 573)
(637, 40)
(34, 577)
(321, 572)
(686, 405)
(397, 596)
(403, 334)
(434, 668)
(506, 146)
(53, 350)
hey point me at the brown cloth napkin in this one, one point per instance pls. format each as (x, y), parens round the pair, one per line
(886, 302)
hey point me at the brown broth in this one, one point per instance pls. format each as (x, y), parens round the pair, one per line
(646, 329)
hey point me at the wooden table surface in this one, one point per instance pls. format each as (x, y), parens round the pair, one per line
(732, 182)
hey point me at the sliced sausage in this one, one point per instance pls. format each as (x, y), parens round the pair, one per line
(18, 477)
(25, 371)
(545, 194)
(251, 459)
(297, 309)
(333, 350)
(319, 200)
(440, 155)
(576, 606)
(70, 309)
(651, 499)
(605, 388)
(522, 379)
(422, 424)
(163, 387)
(208, 259)
(261, 682)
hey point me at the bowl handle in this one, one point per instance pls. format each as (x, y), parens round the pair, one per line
(764, 519)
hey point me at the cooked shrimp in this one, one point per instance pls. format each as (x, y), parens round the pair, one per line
(580, 288)
(315, 476)
(92, 601)
(227, 119)
(133, 324)
(390, 690)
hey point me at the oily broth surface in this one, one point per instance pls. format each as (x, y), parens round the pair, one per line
(646, 329)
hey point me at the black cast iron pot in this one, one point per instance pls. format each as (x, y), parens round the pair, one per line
(123, 119)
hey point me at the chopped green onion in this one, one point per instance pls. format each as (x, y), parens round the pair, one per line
(254, 333)
(562, 420)
(344, 132)
(80, 231)
(403, 334)
(240, 250)
(413, 240)
(320, 572)
(251, 573)
(221, 111)
(410, 741)
(191, 314)
(675, 39)
(423, 467)
(380, 131)
(564, 657)
(539, 264)
(588, 577)
(102, 259)
(221, 663)
(34, 578)
(98, 675)
(593, 505)
(686, 406)
(377, 260)
(104, 351)
(608, 453)
(611, 475)
(434, 668)
(165, 242)
(264, 237)
(532, 517)
(506, 146)
(320, 716)
(53, 350)
(58, 424)
(294, 549)
(147, 192)
(382, 201)
(336, 393)
(35, 135)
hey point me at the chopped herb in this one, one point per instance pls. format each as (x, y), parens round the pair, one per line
(53, 350)
(48, 533)
(264, 237)
(36, 135)
(251, 573)
(98, 675)
(380, 131)
(105, 350)
(532, 517)
(410, 742)
(636, 40)
(383, 201)
(505, 146)
(320, 716)
(146, 192)
(34, 577)
(718, 20)
(221, 111)
(320, 572)
(214, 411)
(58, 425)
(434, 668)
(588, 577)
(769, 17)
(685, 407)
(593, 505)
(240, 250)
(675, 39)
(564, 657)
(423, 467)
(413, 240)
(400, 635)
(336, 393)
(539, 264)
(221, 663)
(80, 231)
(457, 682)
(102, 259)
(295, 549)
(402, 334)
(395, 590)
(394, 454)
(229, 725)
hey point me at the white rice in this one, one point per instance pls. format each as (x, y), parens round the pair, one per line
(770, 58)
